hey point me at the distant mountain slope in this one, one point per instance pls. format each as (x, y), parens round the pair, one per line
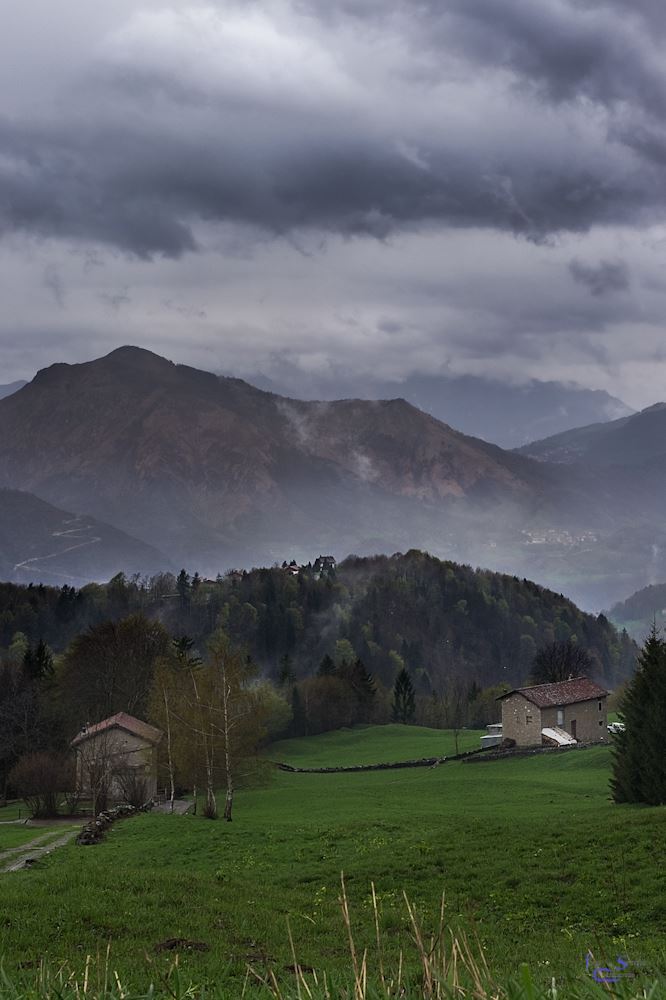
(216, 470)
(508, 415)
(634, 440)
(640, 611)
(40, 543)
(11, 388)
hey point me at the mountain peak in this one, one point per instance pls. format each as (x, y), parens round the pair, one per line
(137, 357)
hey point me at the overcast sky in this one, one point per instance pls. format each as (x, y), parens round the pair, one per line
(388, 186)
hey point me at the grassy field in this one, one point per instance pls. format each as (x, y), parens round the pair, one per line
(530, 854)
(15, 810)
(373, 745)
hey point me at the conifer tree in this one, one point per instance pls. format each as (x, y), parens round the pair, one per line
(184, 588)
(38, 662)
(327, 667)
(404, 705)
(299, 722)
(364, 687)
(639, 765)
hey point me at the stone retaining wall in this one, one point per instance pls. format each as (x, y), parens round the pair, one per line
(395, 766)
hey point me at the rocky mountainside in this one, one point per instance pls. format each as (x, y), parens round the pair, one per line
(41, 542)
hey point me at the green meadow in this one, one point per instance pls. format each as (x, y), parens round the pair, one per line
(535, 863)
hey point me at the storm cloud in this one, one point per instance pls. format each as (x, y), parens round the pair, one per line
(282, 116)
(373, 185)
(606, 276)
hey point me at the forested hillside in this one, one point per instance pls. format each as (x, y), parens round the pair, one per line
(437, 618)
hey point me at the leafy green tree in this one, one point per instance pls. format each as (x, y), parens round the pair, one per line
(344, 652)
(18, 648)
(404, 702)
(639, 764)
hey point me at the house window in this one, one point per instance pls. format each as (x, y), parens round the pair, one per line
(560, 716)
(601, 722)
(528, 718)
(599, 709)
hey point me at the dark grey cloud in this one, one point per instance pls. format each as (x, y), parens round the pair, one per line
(602, 278)
(150, 145)
(231, 181)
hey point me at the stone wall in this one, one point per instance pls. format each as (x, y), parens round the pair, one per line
(117, 749)
(521, 721)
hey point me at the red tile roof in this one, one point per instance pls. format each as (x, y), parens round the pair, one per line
(120, 721)
(560, 693)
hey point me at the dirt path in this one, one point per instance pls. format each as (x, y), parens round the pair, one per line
(15, 858)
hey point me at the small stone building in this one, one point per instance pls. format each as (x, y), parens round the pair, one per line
(566, 712)
(119, 754)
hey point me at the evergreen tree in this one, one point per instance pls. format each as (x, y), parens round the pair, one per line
(639, 765)
(38, 662)
(327, 667)
(286, 676)
(364, 688)
(299, 720)
(404, 705)
(183, 586)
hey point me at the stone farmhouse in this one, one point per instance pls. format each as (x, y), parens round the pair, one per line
(117, 754)
(559, 714)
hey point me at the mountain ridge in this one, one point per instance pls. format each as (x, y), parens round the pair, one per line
(477, 406)
(174, 437)
(217, 473)
(630, 440)
(39, 542)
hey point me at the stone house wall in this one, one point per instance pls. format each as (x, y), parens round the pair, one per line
(117, 749)
(590, 720)
(521, 721)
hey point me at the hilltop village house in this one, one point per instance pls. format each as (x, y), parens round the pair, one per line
(566, 712)
(117, 756)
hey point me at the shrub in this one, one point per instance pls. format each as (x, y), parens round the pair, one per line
(133, 786)
(41, 780)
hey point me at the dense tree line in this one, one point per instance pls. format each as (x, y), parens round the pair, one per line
(436, 618)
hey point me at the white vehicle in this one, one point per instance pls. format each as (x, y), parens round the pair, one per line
(615, 727)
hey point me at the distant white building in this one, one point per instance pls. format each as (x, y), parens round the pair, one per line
(323, 566)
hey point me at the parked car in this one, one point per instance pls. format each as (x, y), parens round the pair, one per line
(615, 727)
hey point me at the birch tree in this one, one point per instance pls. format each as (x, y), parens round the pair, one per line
(214, 715)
